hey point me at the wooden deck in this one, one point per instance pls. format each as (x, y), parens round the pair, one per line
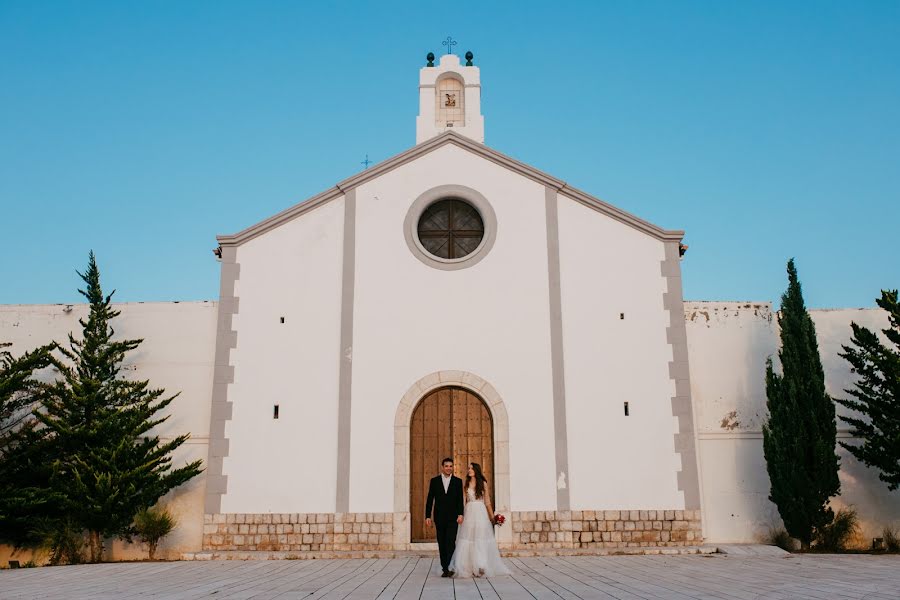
(824, 577)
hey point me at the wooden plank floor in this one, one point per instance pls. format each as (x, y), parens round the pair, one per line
(825, 577)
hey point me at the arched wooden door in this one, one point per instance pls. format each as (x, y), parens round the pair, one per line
(453, 422)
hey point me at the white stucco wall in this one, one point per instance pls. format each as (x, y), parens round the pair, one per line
(177, 355)
(491, 319)
(607, 269)
(286, 464)
(728, 343)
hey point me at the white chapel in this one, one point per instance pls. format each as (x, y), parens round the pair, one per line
(452, 301)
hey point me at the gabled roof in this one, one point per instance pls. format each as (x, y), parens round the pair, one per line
(450, 137)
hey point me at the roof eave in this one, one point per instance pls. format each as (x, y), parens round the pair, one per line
(449, 137)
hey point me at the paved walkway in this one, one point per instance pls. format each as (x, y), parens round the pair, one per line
(621, 577)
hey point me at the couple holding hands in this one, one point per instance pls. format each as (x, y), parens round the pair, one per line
(464, 520)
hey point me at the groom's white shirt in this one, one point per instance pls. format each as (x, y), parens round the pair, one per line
(446, 481)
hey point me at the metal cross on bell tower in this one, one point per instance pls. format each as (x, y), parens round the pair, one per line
(449, 42)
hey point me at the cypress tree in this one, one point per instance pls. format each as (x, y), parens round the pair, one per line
(876, 395)
(105, 459)
(799, 437)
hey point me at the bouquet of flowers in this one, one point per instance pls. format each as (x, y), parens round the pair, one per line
(499, 520)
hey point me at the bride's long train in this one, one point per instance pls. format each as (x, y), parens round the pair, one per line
(476, 552)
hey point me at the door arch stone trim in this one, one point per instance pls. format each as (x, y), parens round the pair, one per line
(402, 418)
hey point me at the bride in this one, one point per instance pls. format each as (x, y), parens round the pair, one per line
(476, 553)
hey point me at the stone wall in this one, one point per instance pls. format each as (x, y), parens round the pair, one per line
(299, 532)
(605, 529)
(537, 530)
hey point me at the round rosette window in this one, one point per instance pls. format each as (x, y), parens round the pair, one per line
(450, 229)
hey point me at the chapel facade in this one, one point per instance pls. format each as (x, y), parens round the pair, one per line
(451, 301)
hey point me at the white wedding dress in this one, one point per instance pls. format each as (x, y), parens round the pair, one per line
(476, 553)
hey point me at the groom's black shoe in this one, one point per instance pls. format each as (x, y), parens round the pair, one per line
(451, 573)
(446, 573)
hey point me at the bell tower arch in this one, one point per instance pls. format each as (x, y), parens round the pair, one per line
(449, 99)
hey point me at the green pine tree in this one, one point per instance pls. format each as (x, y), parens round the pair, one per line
(877, 394)
(17, 384)
(106, 460)
(800, 435)
(21, 471)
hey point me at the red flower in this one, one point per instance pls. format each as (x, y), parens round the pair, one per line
(499, 519)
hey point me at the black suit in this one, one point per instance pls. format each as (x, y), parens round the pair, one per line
(447, 507)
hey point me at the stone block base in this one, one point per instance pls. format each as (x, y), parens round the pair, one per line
(379, 532)
(532, 552)
(298, 532)
(605, 529)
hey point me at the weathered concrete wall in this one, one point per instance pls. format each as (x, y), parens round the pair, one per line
(728, 343)
(177, 355)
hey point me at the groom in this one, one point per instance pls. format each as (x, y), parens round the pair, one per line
(445, 495)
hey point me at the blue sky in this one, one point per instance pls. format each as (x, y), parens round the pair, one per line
(142, 129)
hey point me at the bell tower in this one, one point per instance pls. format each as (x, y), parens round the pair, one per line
(449, 99)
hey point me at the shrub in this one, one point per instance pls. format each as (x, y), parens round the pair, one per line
(151, 525)
(891, 539)
(778, 536)
(835, 536)
(64, 540)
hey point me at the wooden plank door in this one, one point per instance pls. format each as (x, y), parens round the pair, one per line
(473, 436)
(447, 422)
